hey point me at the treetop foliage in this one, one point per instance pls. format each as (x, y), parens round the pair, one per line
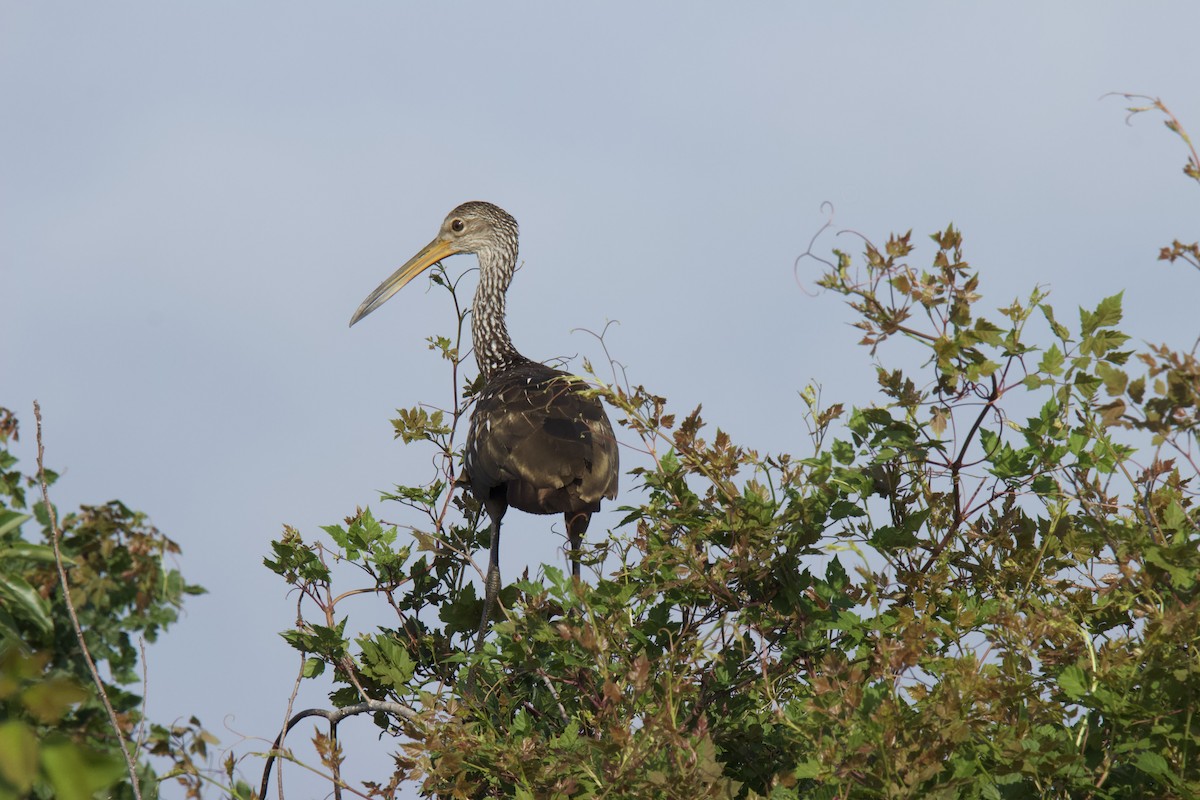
(981, 583)
(984, 584)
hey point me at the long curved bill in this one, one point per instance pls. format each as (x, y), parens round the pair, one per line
(432, 253)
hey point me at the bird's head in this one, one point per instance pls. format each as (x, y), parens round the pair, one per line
(474, 227)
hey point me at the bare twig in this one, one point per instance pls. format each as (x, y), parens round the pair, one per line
(141, 737)
(66, 590)
(287, 726)
(1192, 170)
(828, 210)
(554, 693)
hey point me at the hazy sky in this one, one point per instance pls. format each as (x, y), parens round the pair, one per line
(195, 198)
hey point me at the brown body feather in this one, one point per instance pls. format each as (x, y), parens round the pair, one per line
(538, 444)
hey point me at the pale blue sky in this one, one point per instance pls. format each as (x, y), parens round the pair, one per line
(194, 199)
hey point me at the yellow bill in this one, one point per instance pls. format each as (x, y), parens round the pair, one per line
(432, 253)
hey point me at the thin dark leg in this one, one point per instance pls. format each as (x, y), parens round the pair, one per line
(577, 525)
(491, 585)
(491, 588)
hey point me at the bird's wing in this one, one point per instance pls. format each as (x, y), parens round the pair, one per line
(551, 446)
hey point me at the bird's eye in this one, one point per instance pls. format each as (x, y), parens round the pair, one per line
(457, 226)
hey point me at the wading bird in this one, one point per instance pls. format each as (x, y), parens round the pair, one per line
(536, 442)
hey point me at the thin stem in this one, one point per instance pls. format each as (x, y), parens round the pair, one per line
(554, 693)
(956, 476)
(287, 726)
(66, 589)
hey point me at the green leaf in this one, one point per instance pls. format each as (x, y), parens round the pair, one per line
(48, 699)
(1052, 361)
(18, 754)
(1102, 343)
(1107, 314)
(988, 332)
(1057, 328)
(1137, 390)
(889, 537)
(415, 424)
(40, 553)
(1115, 380)
(1152, 764)
(77, 774)
(385, 659)
(844, 508)
(843, 451)
(11, 629)
(9, 520)
(462, 615)
(988, 790)
(25, 602)
(1182, 577)
(1073, 680)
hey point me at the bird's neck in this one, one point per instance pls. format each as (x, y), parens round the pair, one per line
(494, 350)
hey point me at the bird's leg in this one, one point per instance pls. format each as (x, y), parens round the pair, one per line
(577, 525)
(491, 589)
(491, 586)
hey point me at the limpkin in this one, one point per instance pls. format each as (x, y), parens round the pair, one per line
(536, 441)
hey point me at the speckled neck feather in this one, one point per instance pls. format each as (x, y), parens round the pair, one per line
(494, 350)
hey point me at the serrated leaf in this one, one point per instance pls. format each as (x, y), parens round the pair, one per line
(1152, 764)
(938, 421)
(1107, 314)
(1057, 328)
(1052, 361)
(1073, 680)
(1115, 380)
(842, 451)
(988, 332)
(385, 659)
